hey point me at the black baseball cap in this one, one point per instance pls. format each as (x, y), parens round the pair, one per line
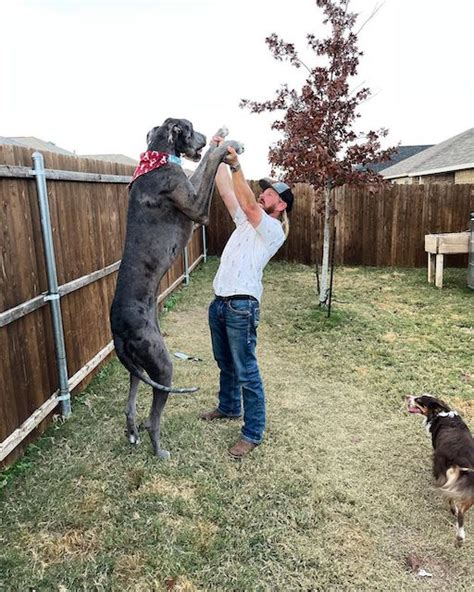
(281, 188)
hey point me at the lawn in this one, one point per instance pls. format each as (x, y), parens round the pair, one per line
(338, 497)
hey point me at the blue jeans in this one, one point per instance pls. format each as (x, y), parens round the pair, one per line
(233, 326)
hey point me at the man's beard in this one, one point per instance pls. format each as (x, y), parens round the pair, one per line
(270, 209)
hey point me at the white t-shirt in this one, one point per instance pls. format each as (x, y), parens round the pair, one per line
(246, 253)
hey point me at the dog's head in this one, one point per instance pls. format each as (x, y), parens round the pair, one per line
(178, 137)
(427, 405)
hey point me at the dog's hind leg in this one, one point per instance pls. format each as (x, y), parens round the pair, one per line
(162, 372)
(131, 411)
(457, 512)
(460, 535)
(154, 423)
(452, 507)
(463, 507)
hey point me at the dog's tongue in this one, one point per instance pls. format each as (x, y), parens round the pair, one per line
(413, 410)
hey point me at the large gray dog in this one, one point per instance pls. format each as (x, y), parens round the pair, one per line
(163, 206)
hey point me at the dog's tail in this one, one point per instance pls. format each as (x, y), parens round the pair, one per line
(139, 373)
(459, 482)
(168, 389)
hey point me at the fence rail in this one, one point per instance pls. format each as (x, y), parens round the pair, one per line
(88, 204)
(20, 172)
(384, 227)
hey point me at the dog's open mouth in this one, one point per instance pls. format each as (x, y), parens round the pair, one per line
(194, 156)
(412, 407)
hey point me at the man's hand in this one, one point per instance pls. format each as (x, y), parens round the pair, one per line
(232, 157)
(216, 141)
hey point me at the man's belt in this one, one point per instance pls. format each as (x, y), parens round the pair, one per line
(236, 297)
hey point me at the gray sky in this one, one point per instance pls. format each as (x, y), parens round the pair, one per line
(95, 76)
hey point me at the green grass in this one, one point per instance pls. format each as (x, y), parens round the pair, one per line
(336, 498)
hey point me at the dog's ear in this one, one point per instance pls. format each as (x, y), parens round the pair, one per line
(432, 403)
(175, 131)
(151, 134)
(442, 406)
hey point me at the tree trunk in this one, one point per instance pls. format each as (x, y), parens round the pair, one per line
(324, 283)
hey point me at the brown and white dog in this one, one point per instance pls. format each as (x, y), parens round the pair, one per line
(453, 457)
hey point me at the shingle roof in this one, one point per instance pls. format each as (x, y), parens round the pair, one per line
(402, 153)
(453, 154)
(37, 144)
(9, 141)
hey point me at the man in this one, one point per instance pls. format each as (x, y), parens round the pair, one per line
(234, 314)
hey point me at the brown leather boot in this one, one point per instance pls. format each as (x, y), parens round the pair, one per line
(241, 449)
(216, 414)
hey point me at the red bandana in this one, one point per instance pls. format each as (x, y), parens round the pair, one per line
(150, 160)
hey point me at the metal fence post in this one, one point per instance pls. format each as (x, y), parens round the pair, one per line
(186, 267)
(470, 269)
(53, 293)
(204, 243)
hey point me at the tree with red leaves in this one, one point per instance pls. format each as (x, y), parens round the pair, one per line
(319, 145)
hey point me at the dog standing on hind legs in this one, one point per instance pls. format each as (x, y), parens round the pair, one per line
(453, 456)
(163, 207)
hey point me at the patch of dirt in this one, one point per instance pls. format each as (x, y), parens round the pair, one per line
(158, 485)
(52, 547)
(466, 407)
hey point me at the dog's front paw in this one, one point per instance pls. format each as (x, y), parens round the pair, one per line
(221, 153)
(224, 153)
(222, 132)
(237, 146)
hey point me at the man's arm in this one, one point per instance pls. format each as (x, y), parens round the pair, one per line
(226, 191)
(243, 193)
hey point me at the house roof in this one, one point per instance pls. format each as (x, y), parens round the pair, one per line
(9, 141)
(453, 154)
(36, 143)
(402, 153)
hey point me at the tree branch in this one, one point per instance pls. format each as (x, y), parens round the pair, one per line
(374, 12)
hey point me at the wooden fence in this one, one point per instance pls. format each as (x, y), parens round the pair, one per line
(381, 228)
(88, 217)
